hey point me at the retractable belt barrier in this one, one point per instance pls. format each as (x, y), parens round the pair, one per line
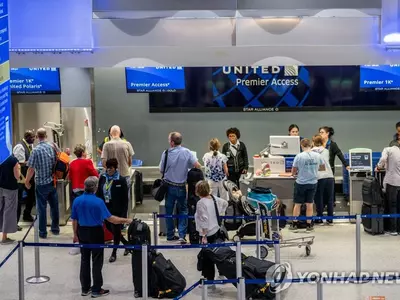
(240, 281)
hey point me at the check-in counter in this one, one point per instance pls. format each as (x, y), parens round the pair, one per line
(64, 202)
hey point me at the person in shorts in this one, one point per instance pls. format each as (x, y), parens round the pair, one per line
(305, 168)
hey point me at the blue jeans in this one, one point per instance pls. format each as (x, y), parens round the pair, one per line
(176, 194)
(47, 193)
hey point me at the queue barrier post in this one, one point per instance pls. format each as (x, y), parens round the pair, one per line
(21, 283)
(358, 245)
(37, 278)
(145, 277)
(241, 288)
(204, 292)
(320, 295)
(258, 234)
(155, 228)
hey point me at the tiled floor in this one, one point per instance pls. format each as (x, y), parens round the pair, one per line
(333, 250)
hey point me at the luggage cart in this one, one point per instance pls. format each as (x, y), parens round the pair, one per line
(271, 230)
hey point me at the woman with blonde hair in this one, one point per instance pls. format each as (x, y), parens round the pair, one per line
(216, 169)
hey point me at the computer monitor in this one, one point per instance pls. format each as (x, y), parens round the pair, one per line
(360, 160)
(284, 145)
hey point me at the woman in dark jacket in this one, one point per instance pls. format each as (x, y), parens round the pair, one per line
(236, 152)
(113, 189)
(327, 133)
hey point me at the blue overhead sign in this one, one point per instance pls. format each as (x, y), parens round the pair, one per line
(5, 99)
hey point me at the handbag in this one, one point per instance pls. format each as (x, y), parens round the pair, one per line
(222, 233)
(160, 186)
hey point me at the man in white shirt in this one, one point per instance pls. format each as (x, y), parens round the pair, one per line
(22, 152)
(390, 161)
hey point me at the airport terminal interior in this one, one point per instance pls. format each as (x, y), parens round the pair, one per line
(199, 68)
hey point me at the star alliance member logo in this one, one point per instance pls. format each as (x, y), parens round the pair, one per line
(291, 71)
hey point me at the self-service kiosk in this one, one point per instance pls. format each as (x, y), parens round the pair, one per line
(360, 160)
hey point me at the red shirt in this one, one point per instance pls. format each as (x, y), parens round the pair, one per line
(79, 170)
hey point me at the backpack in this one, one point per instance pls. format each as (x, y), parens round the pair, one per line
(139, 233)
(170, 282)
(61, 166)
(372, 193)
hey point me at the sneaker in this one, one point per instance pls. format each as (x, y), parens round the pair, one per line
(174, 239)
(7, 241)
(329, 222)
(182, 241)
(220, 277)
(318, 222)
(393, 233)
(19, 228)
(309, 228)
(293, 227)
(86, 293)
(136, 294)
(213, 290)
(100, 294)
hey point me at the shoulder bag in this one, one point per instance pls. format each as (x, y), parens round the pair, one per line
(222, 233)
(160, 187)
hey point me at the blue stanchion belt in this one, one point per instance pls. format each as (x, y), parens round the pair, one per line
(184, 293)
(138, 247)
(9, 255)
(374, 216)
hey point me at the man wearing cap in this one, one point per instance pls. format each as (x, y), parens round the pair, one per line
(88, 215)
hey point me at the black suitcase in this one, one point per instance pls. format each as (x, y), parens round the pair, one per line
(232, 210)
(372, 225)
(138, 187)
(137, 275)
(225, 260)
(372, 192)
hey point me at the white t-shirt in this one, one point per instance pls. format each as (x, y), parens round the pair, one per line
(205, 216)
(214, 166)
(325, 156)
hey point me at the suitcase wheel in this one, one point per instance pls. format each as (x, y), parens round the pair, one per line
(264, 252)
(308, 250)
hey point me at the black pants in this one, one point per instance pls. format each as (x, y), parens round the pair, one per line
(91, 235)
(29, 201)
(324, 196)
(234, 176)
(393, 199)
(208, 271)
(116, 231)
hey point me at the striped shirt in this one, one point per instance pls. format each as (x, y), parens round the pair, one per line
(43, 159)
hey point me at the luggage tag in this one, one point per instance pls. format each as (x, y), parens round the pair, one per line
(107, 198)
(118, 186)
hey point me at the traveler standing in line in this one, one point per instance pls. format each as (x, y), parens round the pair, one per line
(80, 169)
(179, 161)
(326, 182)
(121, 150)
(236, 152)
(113, 189)
(216, 169)
(22, 152)
(305, 168)
(107, 139)
(88, 214)
(10, 172)
(390, 161)
(208, 226)
(41, 164)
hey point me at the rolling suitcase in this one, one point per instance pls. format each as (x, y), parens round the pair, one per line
(138, 187)
(372, 193)
(373, 226)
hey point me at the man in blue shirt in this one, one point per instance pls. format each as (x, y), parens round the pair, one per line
(88, 215)
(41, 163)
(179, 161)
(305, 167)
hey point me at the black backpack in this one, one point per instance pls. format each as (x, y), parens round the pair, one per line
(138, 187)
(139, 233)
(170, 282)
(372, 193)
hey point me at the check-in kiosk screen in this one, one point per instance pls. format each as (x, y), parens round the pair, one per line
(361, 161)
